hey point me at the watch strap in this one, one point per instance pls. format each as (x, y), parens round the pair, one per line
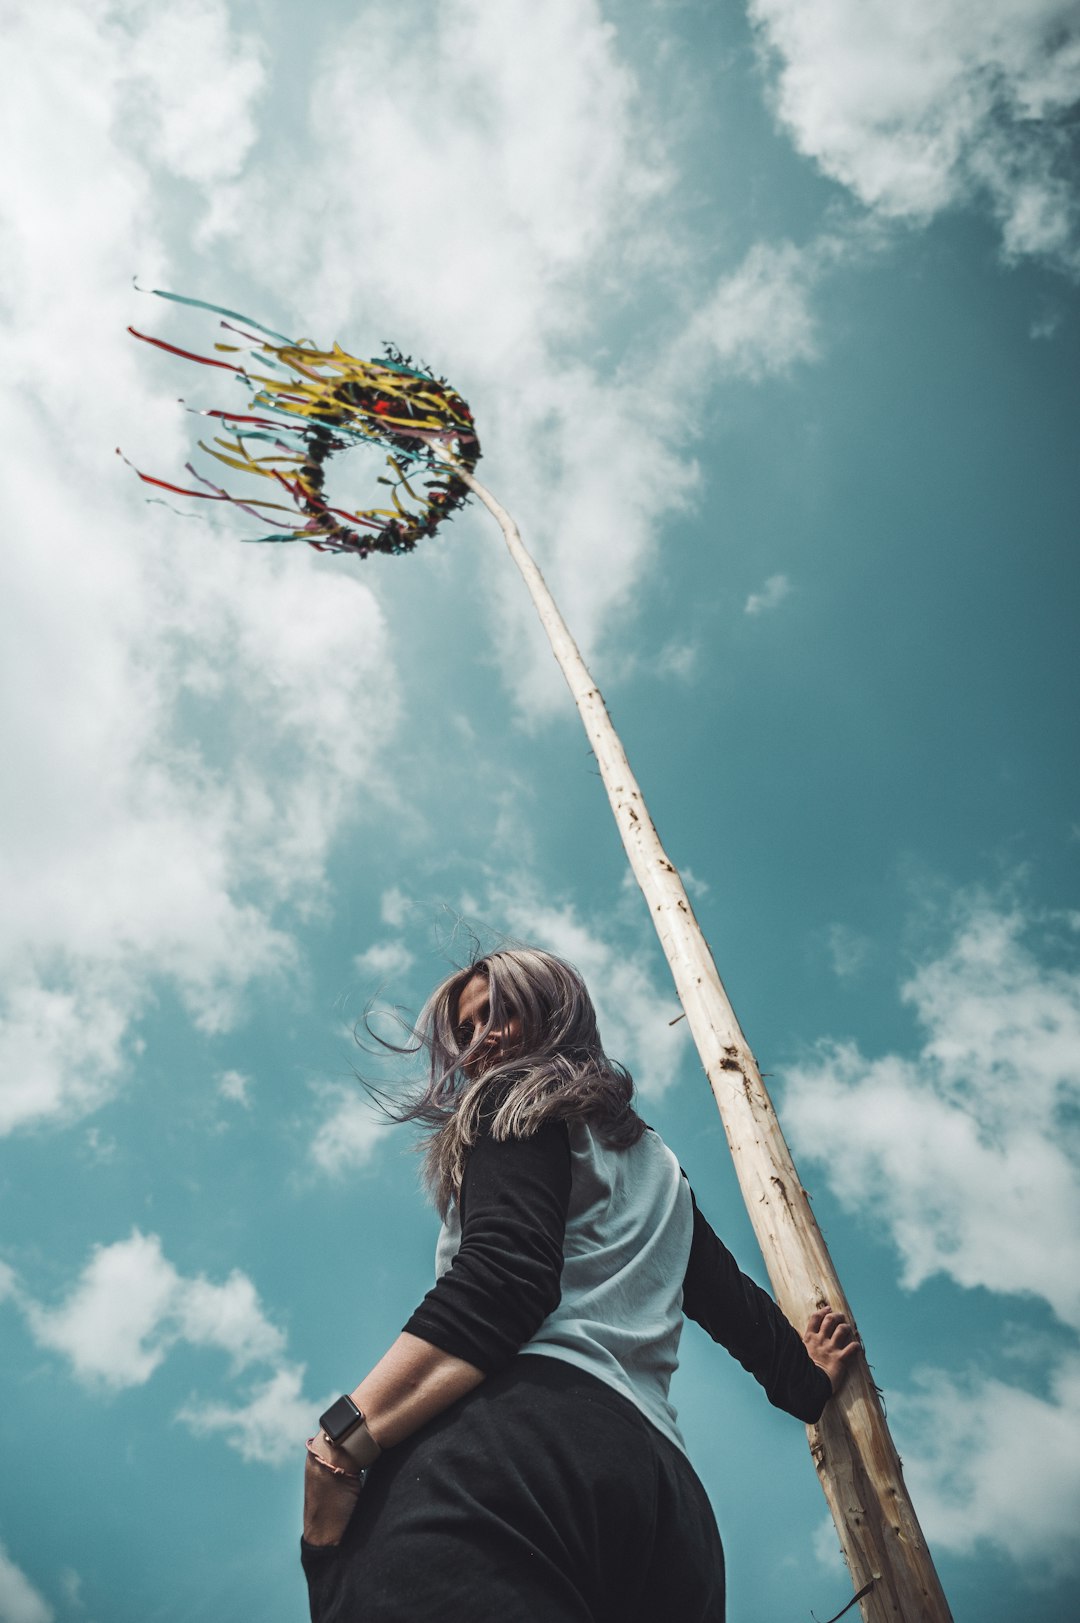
(361, 1446)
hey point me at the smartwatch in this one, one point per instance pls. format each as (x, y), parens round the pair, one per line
(346, 1428)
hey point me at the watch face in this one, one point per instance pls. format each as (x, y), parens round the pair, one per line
(341, 1418)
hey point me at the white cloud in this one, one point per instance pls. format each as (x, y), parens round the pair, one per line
(70, 1583)
(394, 907)
(191, 86)
(112, 1325)
(1045, 325)
(384, 960)
(517, 97)
(61, 1046)
(849, 950)
(100, 1147)
(680, 659)
(771, 595)
(20, 1602)
(180, 712)
(995, 1463)
(968, 1156)
(271, 1427)
(758, 320)
(350, 1131)
(633, 1012)
(919, 107)
(228, 1316)
(130, 1305)
(965, 1153)
(236, 1087)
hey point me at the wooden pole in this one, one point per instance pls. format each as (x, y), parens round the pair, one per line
(857, 1464)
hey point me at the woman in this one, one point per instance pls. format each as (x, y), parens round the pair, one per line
(518, 1455)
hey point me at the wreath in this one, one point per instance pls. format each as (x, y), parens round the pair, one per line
(309, 404)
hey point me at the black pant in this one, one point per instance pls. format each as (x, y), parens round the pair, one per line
(542, 1497)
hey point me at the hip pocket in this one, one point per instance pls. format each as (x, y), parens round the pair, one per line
(330, 1502)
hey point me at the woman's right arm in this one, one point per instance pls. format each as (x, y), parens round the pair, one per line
(500, 1287)
(505, 1278)
(412, 1383)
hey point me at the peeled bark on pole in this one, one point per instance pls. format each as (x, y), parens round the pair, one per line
(857, 1464)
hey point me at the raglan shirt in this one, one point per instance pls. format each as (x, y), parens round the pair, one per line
(561, 1247)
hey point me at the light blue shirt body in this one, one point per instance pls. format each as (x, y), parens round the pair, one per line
(629, 1227)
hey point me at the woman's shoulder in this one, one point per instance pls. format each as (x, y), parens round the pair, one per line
(648, 1162)
(648, 1145)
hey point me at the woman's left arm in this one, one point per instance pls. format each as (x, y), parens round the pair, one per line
(832, 1344)
(799, 1374)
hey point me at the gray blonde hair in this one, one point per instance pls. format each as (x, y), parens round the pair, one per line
(555, 1071)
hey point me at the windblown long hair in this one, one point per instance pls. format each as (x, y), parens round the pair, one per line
(556, 1070)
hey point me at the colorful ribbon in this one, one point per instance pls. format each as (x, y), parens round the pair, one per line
(313, 403)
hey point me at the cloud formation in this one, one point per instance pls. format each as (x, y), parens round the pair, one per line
(384, 959)
(20, 1602)
(996, 1463)
(180, 716)
(130, 1306)
(236, 1087)
(966, 1152)
(349, 1131)
(921, 107)
(967, 1155)
(191, 85)
(771, 595)
(849, 950)
(758, 321)
(269, 1428)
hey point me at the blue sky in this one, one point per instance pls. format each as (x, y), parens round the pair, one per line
(768, 317)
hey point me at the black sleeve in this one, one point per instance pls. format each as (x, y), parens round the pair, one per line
(504, 1280)
(745, 1319)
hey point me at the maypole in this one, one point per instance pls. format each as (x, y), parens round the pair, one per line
(313, 403)
(857, 1463)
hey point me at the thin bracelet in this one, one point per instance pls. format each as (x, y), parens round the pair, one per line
(338, 1470)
